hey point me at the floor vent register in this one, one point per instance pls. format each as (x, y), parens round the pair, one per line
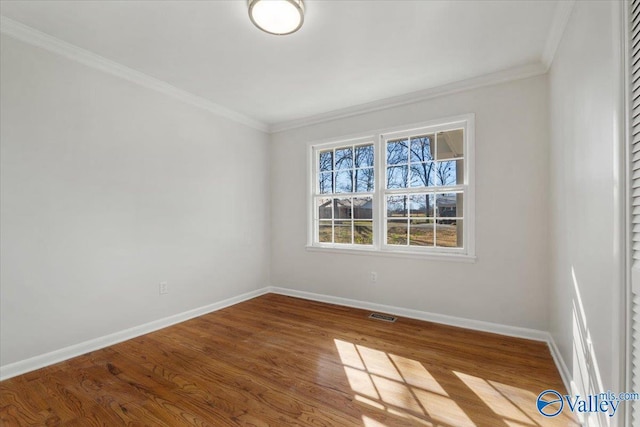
(383, 317)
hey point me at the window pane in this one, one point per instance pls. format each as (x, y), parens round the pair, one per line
(397, 232)
(342, 208)
(364, 156)
(362, 208)
(421, 232)
(397, 177)
(397, 152)
(449, 233)
(344, 182)
(343, 231)
(326, 182)
(449, 205)
(422, 174)
(421, 205)
(344, 158)
(450, 144)
(422, 148)
(449, 173)
(364, 180)
(396, 206)
(424, 182)
(363, 232)
(324, 232)
(326, 160)
(324, 208)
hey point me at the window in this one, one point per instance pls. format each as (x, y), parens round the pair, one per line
(398, 191)
(344, 198)
(424, 189)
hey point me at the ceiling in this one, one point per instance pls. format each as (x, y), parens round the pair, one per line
(348, 53)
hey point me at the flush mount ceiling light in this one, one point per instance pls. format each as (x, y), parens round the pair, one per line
(278, 17)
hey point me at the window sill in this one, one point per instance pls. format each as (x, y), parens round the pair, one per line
(395, 254)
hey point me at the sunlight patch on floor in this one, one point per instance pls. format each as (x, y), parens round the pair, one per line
(443, 409)
(370, 422)
(398, 386)
(496, 400)
(389, 384)
(417, 375)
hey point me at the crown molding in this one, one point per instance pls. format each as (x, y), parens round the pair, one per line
(37, 38)
(516, 73)
(560, 20)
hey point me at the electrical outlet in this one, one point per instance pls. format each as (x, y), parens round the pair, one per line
(374, 277)
(164, 288)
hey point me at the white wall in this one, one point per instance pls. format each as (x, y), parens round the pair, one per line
(584, 170)
(509, 282)
(109, 188)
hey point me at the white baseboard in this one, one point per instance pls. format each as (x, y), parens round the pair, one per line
(560, 364)
(478, 325)
(496, 328)
(40, 361)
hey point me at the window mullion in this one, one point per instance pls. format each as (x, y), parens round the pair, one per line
(380, 177)
(448, 139)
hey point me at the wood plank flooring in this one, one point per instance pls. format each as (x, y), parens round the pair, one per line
(280, 361)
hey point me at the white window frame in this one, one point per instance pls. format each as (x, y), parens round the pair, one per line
(379, 138)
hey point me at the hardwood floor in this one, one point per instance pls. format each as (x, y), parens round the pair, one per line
(278, 361)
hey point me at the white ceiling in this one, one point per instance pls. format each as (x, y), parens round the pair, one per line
(347, 53)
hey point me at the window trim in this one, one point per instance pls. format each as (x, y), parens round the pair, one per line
(378, 138)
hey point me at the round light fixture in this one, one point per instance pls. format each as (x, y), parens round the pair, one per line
(278, 17)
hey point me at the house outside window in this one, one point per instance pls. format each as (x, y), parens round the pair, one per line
(399, 192)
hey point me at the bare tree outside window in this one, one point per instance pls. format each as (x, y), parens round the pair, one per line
(343, 171)
(424, 162)
(421, 199)
(422, 165)
(364, 162)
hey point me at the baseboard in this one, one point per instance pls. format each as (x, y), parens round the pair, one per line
(496, 328)
(40, 361)
(559, 361)
(478, 325)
